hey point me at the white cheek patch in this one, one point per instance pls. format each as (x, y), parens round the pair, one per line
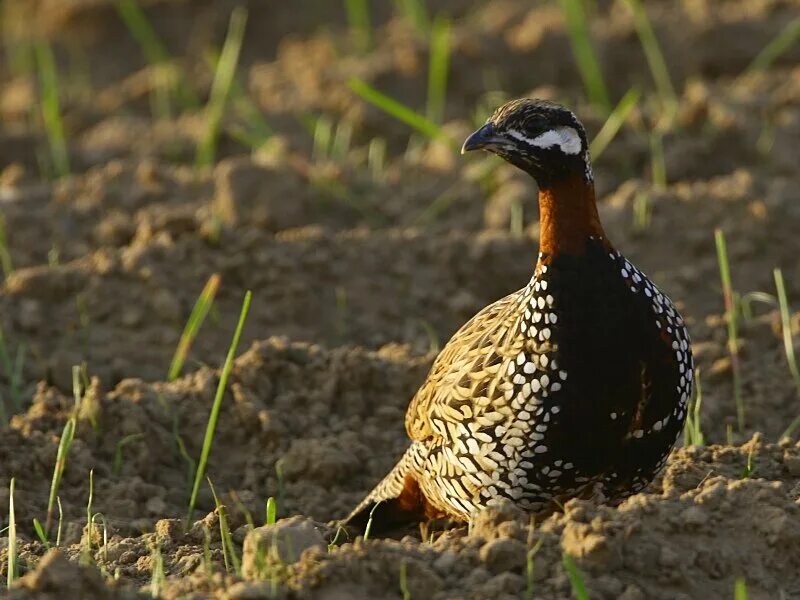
(565, 138)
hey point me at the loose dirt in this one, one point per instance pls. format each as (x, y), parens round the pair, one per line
(360, 271)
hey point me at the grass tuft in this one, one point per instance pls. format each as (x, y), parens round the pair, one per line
(614, 122)
(655, 59)
(158, 577)
(335, 540)
(38, 528)
(359, 22)
(404, 591)
(658, 167)
(731, 316)
(101, 517)
(168, 82)
(62, 454)
(788, 343)
(86, 549)
(12, 568)
(196, 318)
(788, 36)
(642, 212)
(376, 159)
(368, 528)
(438, 65)
(416, 13)
(228, 551)
(575, 577)
(740, 589)
(116, 467)
(139, 27)
(585, 56)
(215, 407)
(60, 521)
(13, 370)
(692, 429)
(254, 131)
(530, 567)
(749, 469)
(221, 87)
(271, 512)
(51, 109)
(399, 111)
(5, 254)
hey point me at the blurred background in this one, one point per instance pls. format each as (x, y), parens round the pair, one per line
(309, 151)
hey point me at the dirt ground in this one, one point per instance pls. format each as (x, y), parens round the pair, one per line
(354, 291)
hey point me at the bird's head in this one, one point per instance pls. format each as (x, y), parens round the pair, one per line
(542, 138)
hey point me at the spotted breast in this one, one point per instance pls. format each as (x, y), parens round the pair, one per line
(576, 383)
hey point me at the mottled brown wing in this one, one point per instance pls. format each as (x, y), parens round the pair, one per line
(468, 374)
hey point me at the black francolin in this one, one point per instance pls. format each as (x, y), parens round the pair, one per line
(576, 384)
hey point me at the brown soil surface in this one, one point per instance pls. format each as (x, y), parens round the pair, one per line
(358, 275)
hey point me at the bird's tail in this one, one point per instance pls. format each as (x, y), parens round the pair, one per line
(396, 500)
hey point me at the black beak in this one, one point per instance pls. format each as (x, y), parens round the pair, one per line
(485, 136)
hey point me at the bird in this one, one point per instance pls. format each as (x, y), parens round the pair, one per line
(576, 385)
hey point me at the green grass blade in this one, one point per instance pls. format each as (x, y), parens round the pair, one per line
(228, 551)
(8, 367)
(575, 578)
(585, 56)
(699, 438)
(117, 463)
(788, 343)
(404, 591)
(64, 445)
(15, 383)
(359, 22)
(5, 355)
(60, 521)
(51, 109)
(157, 576)
(368, 528)
(780, 44)
(692, 429)
(530, 564)
(399, 111)
(642, 212)
(740, 589)
(323, 136)
(733, 325)
(193, 325)
(614, 122)
(786, 326)
(215, 407)
(136, 21)
(415, 12)
(221, 86)
(167, 79)
(12, 569)
(438, 65)
(655, 59)
(5, 253)
(40, 533)
(272, 511)
(257, 131)
(657, 163)
(104, 523)
(86, 551)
